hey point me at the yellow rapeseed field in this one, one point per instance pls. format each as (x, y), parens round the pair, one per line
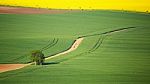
(134, 5)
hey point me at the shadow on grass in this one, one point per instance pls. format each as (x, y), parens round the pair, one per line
(50, 63)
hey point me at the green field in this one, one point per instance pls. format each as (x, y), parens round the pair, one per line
(118, 58)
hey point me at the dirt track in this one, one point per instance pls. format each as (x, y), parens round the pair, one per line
(73, 47)
(9, 67)
(19, 10)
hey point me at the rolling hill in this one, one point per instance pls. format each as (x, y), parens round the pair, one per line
(120, 57)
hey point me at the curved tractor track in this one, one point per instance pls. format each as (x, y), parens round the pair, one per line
(99, 42)
(51, 44)
(74, 46)
(48, 46)
(104, 35)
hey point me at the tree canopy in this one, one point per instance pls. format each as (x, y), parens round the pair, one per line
(38, 57)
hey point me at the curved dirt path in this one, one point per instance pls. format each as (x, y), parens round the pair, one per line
(9, 67)
(73, 47)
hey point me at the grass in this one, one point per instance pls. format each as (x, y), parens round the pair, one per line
(122, 58)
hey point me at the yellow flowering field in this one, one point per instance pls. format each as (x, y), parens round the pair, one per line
(134, 5)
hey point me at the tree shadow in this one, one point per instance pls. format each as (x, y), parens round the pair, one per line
(50, 63)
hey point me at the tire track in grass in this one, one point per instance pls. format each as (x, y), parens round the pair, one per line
(53, 43)
(104, 35)
(99, 41)
(108, 32)
(50, 44)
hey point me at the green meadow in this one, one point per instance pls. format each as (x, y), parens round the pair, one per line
(121, 57)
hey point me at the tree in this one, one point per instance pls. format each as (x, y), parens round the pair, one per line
(38, 57)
